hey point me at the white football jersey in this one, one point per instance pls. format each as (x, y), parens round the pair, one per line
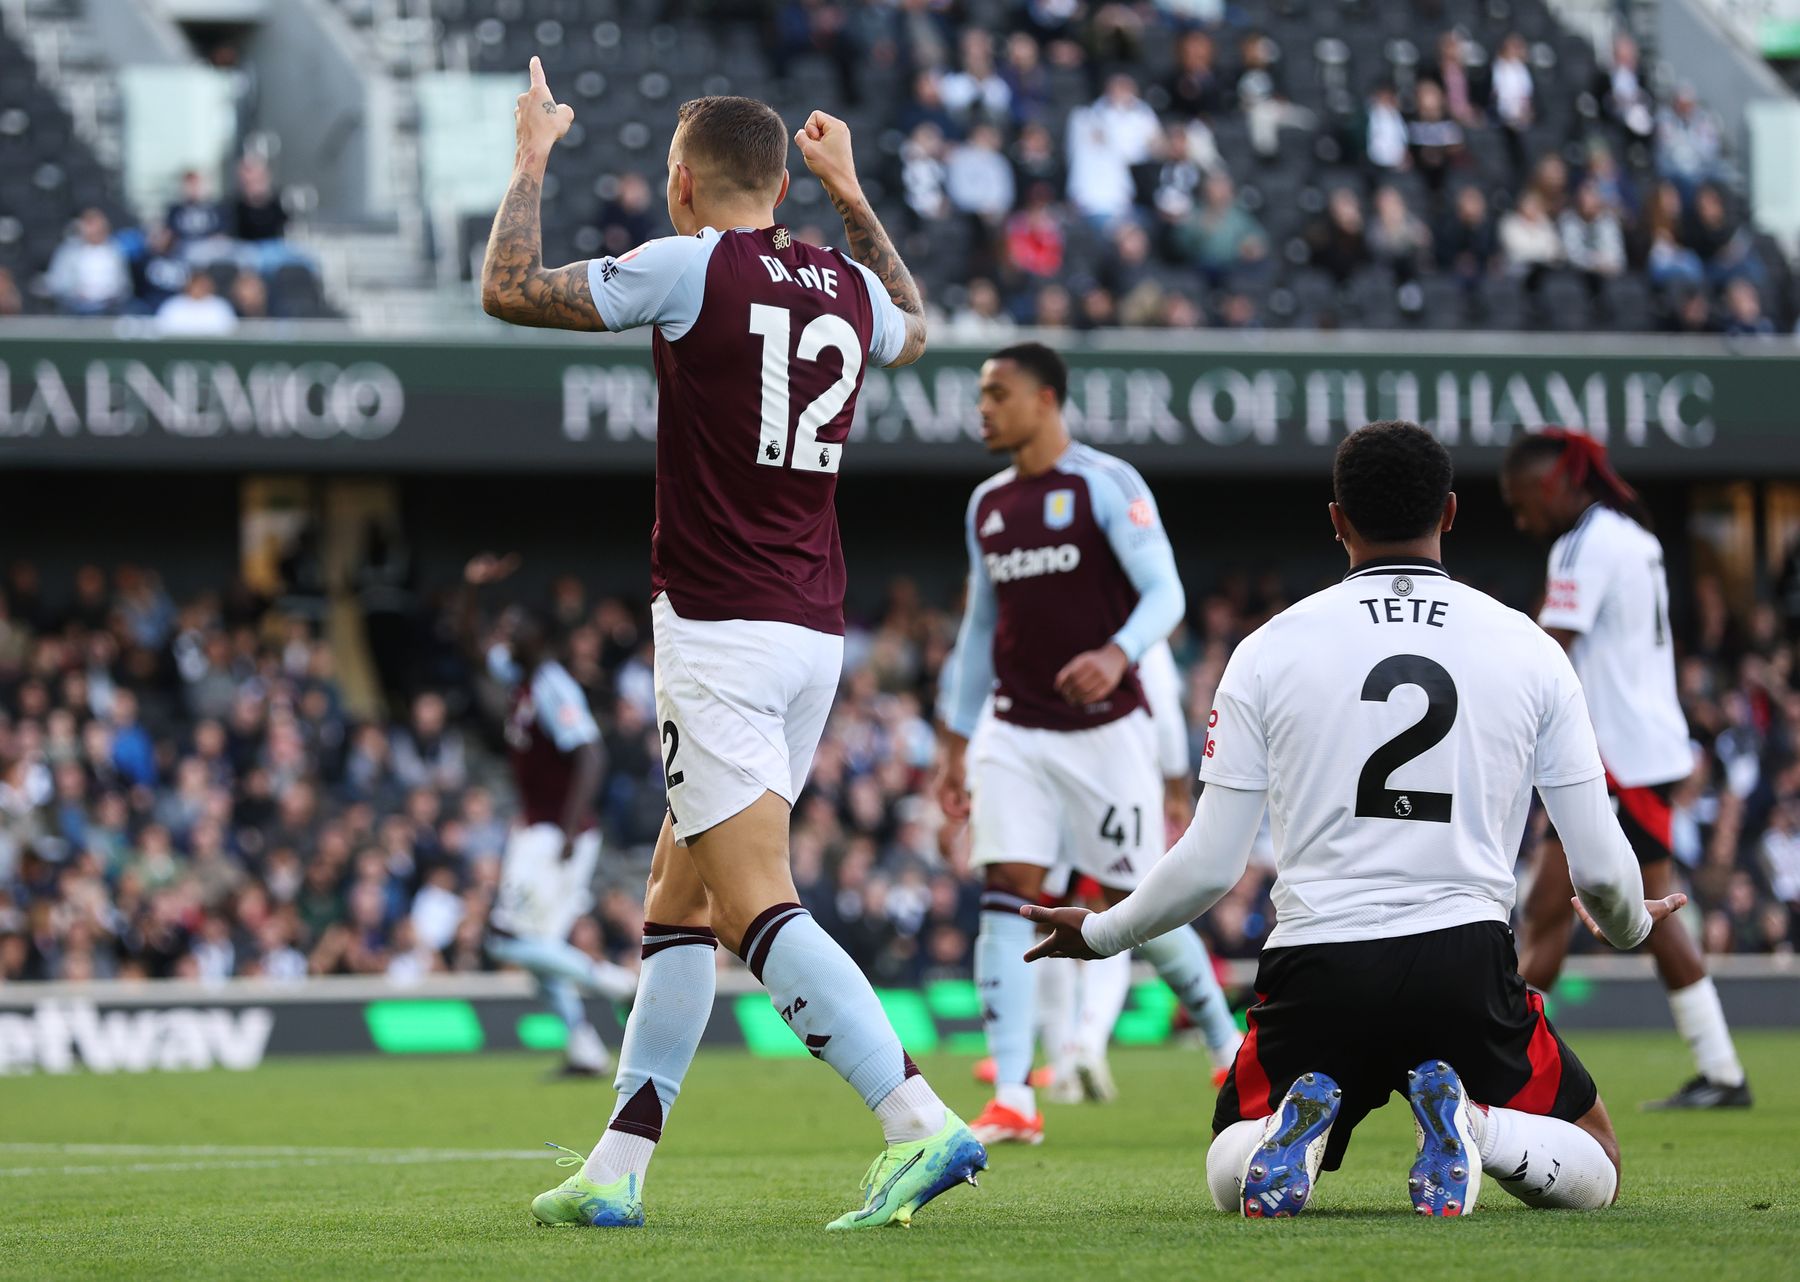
(1606, 583)
(1398, 722)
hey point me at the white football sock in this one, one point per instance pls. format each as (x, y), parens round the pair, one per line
(618, 1154)
(1225, 1162)
(1105, 984)
(911, 1111)
(1543, 1161)
(1700, 1020)
(1056, 987)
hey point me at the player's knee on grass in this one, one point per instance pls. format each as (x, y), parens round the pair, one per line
(1598, 1123)
(1225, 1160)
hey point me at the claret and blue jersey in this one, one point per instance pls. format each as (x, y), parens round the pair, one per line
(1059, 564)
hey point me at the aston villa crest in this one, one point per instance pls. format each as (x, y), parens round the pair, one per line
(783, 238)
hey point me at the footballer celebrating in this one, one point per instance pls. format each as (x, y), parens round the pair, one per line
(1071, 580)
(1606, 601)
(760, 345)
(1395, 724)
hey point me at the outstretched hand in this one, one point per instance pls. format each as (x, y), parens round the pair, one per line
(1657, 908)
(541, 121)
(1065, 938)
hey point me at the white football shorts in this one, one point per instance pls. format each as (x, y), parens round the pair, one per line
(741, 705)
(1090, 799)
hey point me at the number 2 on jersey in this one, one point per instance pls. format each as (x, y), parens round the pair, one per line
(1374, 799)
(775, 324)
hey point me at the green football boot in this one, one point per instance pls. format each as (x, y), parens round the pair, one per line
(906, 1176)
(580, 1202)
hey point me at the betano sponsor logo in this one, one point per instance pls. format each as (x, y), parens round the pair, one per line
(60, 1036)
(311, 400)
(1032, 563)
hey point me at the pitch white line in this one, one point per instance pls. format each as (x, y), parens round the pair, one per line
(246, 1157)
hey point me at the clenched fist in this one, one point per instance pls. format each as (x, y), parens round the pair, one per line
(539, 118)
(824, 143)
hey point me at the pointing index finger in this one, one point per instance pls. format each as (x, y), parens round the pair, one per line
(537, 74)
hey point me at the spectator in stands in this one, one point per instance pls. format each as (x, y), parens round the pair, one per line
(1724, 247)
(982, 319)
(1398, 238)
(1262, 98)
(1105, 139)
(196, 312)
(160, 272)
(977, 178)
(1467, 247)
(1034, 237)
(1435, 141)
(1617, 190)
(1744, 313)
(1670, 263)
(1463, 96)
(1053, 308)
(12, 302)
(977, 92)
(798, 27)
(1384, 131)
(249, 296)
(1514, 99)
(1550, 184)
(1035, 160)
(1530, 241)
(199, 223)
(1624, 98)
(627, 219)
(1592, 241)
(922, 174)
(1027, 81)
(89, 276)
(927, 106)
(1221, 237)
(1688, 146)
(1335, 241)
(257, 215)
(1189, 154)
(1195, 88)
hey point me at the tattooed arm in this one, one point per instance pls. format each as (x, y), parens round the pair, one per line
(824, 142)
(515, 284)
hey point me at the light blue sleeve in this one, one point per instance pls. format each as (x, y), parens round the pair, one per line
(890, 322)
(661, 283)
(968, 676)
(1126, 511)
(562, 708)
(500, 664)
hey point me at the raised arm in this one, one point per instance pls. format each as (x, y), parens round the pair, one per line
(824, 143)
(515, 284)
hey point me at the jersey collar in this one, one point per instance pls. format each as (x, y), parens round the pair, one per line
(1389, 564)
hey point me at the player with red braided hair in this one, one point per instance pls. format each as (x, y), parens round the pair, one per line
(1606, 599)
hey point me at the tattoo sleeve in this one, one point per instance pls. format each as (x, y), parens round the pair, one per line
(515, 284)
(870, 246)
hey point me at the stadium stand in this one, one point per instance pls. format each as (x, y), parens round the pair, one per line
(71, 244)
(183, 792)
(1062, 152)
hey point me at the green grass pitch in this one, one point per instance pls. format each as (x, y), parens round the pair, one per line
(302, 1169)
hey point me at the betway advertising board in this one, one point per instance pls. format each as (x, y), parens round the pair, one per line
(1207, 403)
(149, 1027)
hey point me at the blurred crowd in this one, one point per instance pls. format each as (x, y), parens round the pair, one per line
(197, 271)
(1193, 187)
(183, 791)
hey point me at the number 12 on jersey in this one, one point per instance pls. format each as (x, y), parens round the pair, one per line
(810, 454)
